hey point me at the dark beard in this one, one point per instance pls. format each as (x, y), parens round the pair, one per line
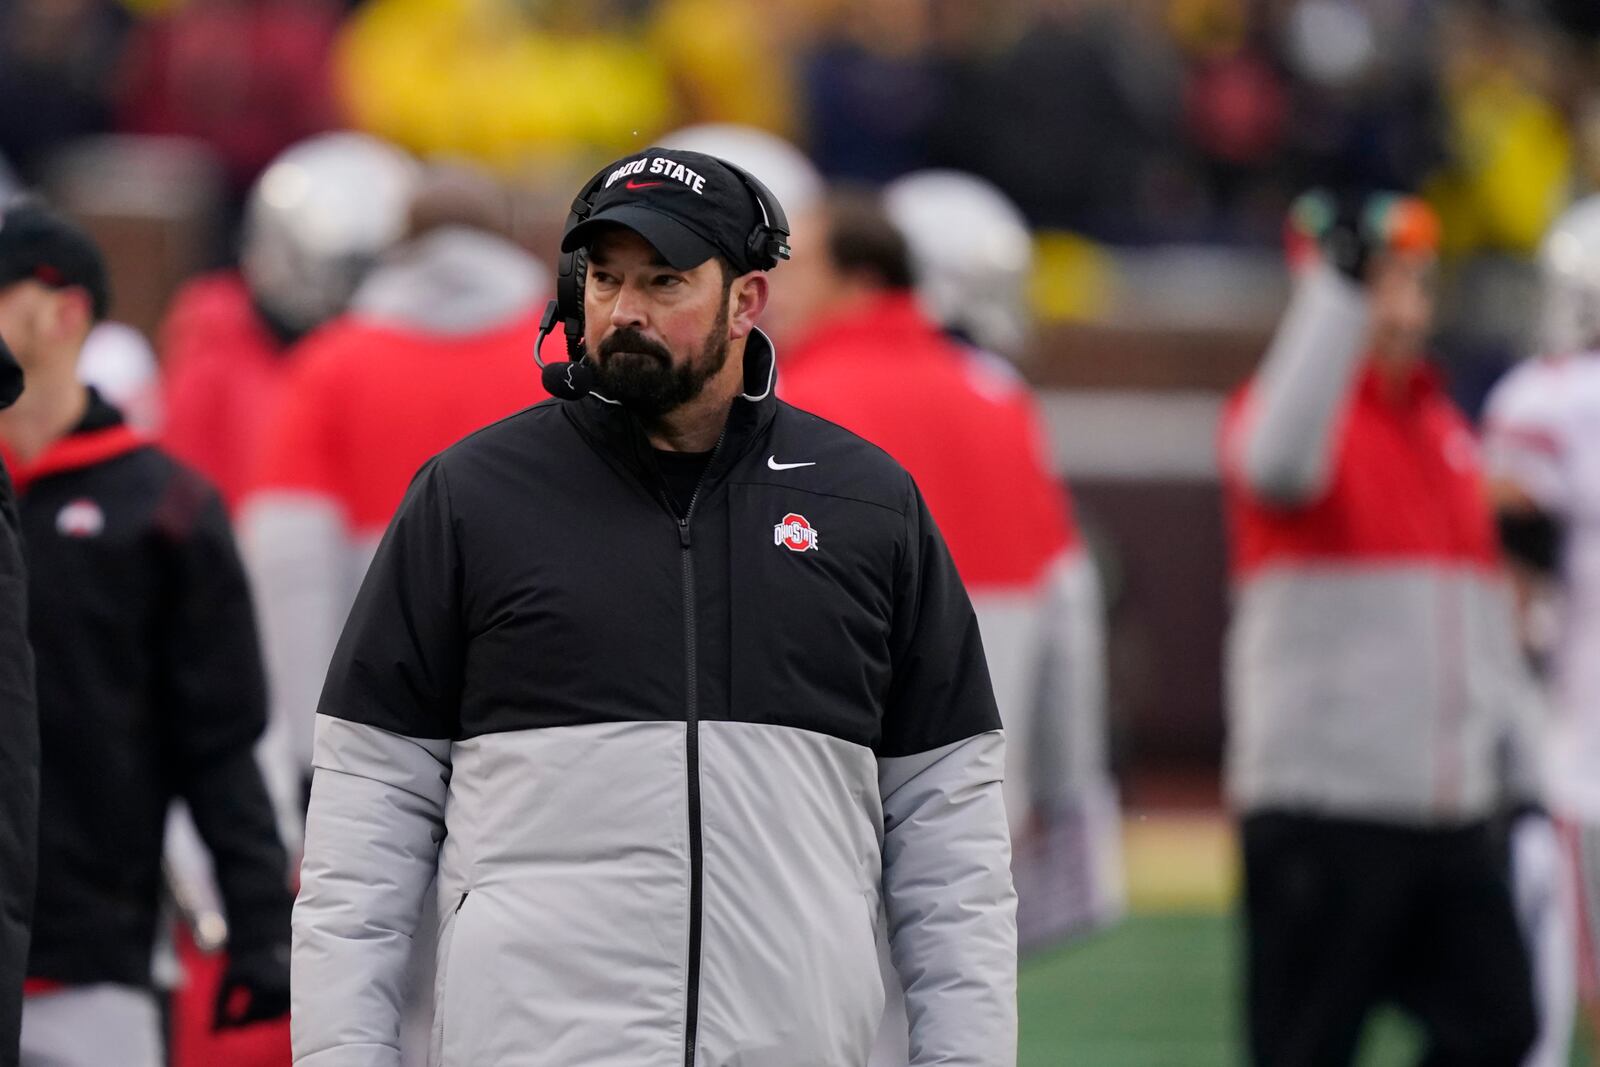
(638, 373)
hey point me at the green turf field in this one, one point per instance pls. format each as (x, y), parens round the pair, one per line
(1158, 991)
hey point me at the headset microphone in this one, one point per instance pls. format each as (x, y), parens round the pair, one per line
(564, 379)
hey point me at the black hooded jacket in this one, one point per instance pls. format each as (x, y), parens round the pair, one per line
(150, 688)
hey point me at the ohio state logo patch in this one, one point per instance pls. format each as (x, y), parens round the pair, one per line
(80, 518)
(795, 533)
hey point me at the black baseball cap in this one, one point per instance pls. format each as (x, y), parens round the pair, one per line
(38, 245)
(688, 205)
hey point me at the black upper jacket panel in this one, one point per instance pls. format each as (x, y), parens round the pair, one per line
(534, 577)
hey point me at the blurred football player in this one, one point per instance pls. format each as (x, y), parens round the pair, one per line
(967, 428)
(437, 342)
(972, 258)
(1542, 441)
(317, 220)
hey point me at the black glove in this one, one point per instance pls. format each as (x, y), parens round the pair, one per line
(255, 987)
(1339, 225)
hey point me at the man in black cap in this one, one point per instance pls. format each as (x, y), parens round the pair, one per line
(149, 682)
(673, 694)
(19, 751)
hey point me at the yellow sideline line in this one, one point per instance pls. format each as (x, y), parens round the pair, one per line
(1180, 861)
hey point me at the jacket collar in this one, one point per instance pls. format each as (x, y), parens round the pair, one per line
(100, 435)
(618, 433)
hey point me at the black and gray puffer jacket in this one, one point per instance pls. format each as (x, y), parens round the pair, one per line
(681, 780)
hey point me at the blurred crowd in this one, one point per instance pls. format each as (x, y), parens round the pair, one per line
(1141, 121)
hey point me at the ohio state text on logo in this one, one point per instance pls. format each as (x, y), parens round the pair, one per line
(794, 533)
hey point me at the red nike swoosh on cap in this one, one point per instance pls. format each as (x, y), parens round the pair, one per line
(640, 185)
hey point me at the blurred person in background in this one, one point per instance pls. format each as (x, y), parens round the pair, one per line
(972, 256)
(732, 61)
(1364, 99)
(248, 78)
(1543, 456)
(1037, 80)
(120, 364)
(1372, 667)
(504, 83)
(317, 221)
(871, 89)
(19, 750)
(966, 427)
(150, 684)
(437, 342)
(58, 75)
(1510, 153)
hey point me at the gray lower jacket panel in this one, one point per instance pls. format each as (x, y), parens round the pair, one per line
(563, 881)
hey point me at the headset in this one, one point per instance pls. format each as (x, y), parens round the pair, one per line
(573, 378)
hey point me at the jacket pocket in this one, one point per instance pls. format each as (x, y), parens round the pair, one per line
(447, 936)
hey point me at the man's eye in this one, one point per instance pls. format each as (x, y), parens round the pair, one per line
(602, 278)
(669, 280)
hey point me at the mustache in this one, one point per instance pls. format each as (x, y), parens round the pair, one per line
(626, 340)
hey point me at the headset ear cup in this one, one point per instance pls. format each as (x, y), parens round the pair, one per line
(768, 243)
(570, 290)
(767, 247)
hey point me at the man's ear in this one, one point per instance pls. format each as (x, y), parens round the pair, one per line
(71, 313)
(747, 299)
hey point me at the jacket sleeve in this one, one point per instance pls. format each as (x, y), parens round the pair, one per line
(381, 773)
(1282, 448)
(947, 852)
(19, 777)
(215, 698)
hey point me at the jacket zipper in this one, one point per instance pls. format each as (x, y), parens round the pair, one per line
(692, 745)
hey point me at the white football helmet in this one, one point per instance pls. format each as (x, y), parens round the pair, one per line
(780, 166)
(318, 218)
(972, 251)
(1569, 268)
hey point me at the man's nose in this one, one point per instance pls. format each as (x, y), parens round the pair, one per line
(629, 309)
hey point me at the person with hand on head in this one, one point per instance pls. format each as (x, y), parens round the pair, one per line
(149, 680)
(1372, 671)
(19, 749)
(673, 693)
